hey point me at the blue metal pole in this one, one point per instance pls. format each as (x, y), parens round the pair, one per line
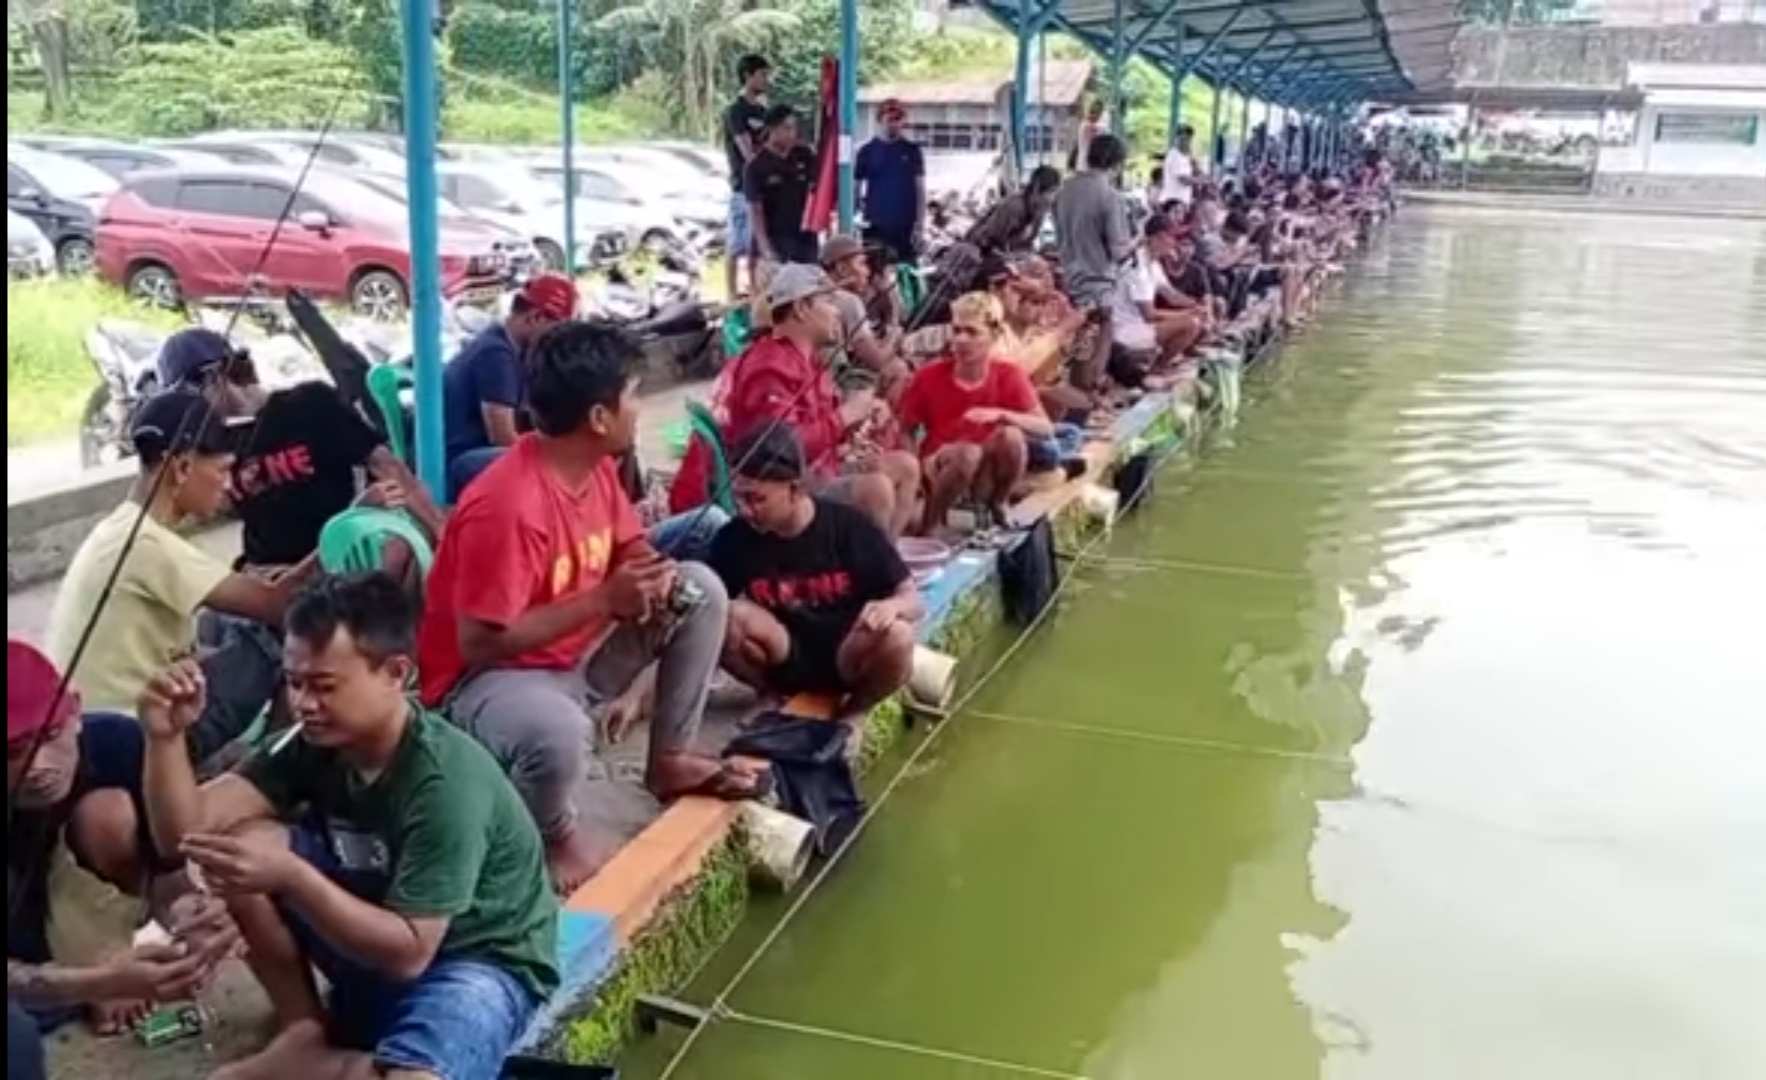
(1118, 57)
(421, 116)
(567, 117)
(1177, 77)
(1021, 90)
(848, 110)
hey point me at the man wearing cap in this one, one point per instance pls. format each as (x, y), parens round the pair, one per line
(778, 183)
(144, 615)
(820, 600)
(849, 267)
(891, 175)
(82, 873)
(298, 465)
(744, 126)
(484, 383)
(780, 378)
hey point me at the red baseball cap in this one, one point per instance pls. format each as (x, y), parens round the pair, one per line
(553, 296)
(31, 682)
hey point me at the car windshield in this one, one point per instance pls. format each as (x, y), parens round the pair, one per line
(62, 177)
(394, 189)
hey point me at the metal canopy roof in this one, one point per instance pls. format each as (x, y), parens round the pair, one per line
(1298, 53)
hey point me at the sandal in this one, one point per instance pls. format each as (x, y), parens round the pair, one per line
(729, 784)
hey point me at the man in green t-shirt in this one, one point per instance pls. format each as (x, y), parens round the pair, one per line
(408, 871)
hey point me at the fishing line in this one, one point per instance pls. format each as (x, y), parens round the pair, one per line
(908, 769)
(1176, 742)
(1195, 566)
(39, 736)
(957, 1057)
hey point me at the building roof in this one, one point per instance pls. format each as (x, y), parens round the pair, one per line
(1646, 76)
(1064, 88)
(1293, 52)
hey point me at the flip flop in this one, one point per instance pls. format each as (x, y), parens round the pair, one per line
(730, 784)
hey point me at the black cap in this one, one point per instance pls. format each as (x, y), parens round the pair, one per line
(191, 354)
(179, 421)
(771, 451)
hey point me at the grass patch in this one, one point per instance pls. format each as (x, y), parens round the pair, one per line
(48, 375)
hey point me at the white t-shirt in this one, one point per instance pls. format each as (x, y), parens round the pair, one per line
(1180, 169)
(1135, 289)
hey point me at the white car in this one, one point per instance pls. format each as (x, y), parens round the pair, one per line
(29, 253)
(688, 192)
(511, 196)
(640, 215)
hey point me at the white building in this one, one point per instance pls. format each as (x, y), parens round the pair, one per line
(1700, 137)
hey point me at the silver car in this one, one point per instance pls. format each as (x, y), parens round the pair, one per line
(510, 195)
(29, 253)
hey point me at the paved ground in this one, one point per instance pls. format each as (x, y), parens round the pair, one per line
(613, 799)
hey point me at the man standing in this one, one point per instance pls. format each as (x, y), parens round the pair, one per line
(484, 383)
(546, 593)
(777, 185)
(1178, 189)
(891, 176)
(1091, 227)
(744, 124)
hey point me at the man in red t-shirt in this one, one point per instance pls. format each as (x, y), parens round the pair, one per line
(974, 415)
(545, 594)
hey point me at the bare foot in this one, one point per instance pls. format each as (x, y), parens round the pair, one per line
(674, 776)
(573, 859)
(294, 1052)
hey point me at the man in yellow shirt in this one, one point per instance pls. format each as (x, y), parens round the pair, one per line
(128, 604)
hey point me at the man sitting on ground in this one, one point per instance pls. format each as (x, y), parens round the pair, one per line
(545, 591)
(821, 601)
(383, 847)
(81, 870)
(975, 415)
(849, 267)
(149, 608)
(1149, 333)
(485, 383)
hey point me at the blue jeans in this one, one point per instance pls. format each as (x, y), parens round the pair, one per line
(24, 1046)
(741, 230)
(1065, 443)
(458, 1020)
(687, 537)
(464, 468)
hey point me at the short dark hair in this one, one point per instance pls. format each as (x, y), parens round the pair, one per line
(777, 115)
(751, 65)
(1043, 178)
(770, 450)
(378, 612)
(576, 366)
(1186, 131)
(1105, 151)
(1158, 225)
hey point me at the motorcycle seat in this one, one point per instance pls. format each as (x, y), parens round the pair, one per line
(139, 342)
(674, 320)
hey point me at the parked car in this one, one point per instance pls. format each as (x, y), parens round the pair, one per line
(194, 233)
(511, 196)
(61, 196)
(685, 192)
(522, 257)
(119, 159)
(241, 152)
(639, 214)
(341, 149)
(29, 253)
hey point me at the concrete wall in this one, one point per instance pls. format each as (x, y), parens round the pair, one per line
(1594, 56)
(44, 529)
(1739, 192)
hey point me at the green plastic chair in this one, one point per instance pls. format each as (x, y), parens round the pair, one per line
(354, 542)
(704, 426)
(386, 386)
(909, 286)
(738, 329)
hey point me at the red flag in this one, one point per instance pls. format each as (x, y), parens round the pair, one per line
(818, 214)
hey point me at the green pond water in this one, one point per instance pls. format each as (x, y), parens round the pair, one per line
(1416, 730)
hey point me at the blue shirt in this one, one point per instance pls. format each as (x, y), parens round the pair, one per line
(890, 170)
(486, 372)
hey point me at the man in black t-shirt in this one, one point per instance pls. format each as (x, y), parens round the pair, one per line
(820, 600)
(778, 184)
(297, 465)
(744, 125)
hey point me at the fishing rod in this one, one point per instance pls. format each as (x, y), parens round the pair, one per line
(230, 362)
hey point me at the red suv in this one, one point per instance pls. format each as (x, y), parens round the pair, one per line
(196, 233)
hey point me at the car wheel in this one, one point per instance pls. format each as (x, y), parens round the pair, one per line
(379, 295)
(154, 285)
(550, 253)
(74, 257)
